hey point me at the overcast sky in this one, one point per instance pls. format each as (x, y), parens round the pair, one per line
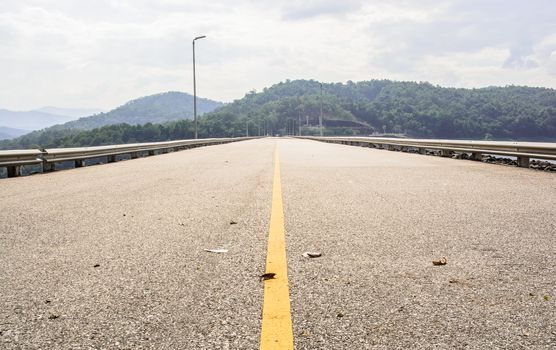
(102, 53)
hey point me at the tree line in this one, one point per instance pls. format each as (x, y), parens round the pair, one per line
(363, 108)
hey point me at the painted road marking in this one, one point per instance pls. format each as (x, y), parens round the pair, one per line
(276, 330)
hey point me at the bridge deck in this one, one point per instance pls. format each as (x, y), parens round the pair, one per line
(113, 256)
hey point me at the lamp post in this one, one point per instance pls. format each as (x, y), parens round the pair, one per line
(195, 88)
(299, 123)
(320, 118)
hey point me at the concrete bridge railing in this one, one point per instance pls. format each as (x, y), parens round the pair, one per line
(14, 160)
(523, 151)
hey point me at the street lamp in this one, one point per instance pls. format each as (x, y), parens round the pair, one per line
(320, 118)
(299, 123)
(195, 87)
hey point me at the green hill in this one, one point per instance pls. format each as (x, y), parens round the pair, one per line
(414, 109)
(159, 108)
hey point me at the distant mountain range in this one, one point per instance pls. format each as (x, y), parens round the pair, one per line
(17, 123)
(159, 108)
(74, 113)
(30, 120)
(9, 133)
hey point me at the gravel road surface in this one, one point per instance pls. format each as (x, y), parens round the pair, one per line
(112, 256)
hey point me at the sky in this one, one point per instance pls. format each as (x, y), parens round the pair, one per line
(102, 53)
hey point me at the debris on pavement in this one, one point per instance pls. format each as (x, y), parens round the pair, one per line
(233, 222)
(267, 276)
(312, 254)
(440, 262)
(96, 265)
(216, 250)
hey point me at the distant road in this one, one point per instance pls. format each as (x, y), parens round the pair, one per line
(113, 256)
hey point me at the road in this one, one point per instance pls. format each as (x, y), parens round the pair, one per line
(112, 256)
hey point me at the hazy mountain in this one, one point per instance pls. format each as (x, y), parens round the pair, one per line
(74, 113)
(10, 133)
(159, 108)
(30, 120)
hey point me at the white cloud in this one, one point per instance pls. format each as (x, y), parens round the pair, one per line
(299, 10)
(103, 53)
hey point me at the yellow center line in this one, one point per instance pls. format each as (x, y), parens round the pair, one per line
(276, 330)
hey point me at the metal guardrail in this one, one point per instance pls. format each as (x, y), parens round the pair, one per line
(14, 160)
(523, 151)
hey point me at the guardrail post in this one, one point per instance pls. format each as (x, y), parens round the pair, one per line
(523, 162)
(14, 170)
(422, 150)
(134, 155)
(111, 158)
(476, 156)
(48, 167)
(445, 153)
(151, 152)
(79, 163)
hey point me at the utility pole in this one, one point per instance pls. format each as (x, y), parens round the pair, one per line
(320, 118)
(299, 124)
(195, 88)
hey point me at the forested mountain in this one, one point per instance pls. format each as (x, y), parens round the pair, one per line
(159, 108)
(415, 109)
